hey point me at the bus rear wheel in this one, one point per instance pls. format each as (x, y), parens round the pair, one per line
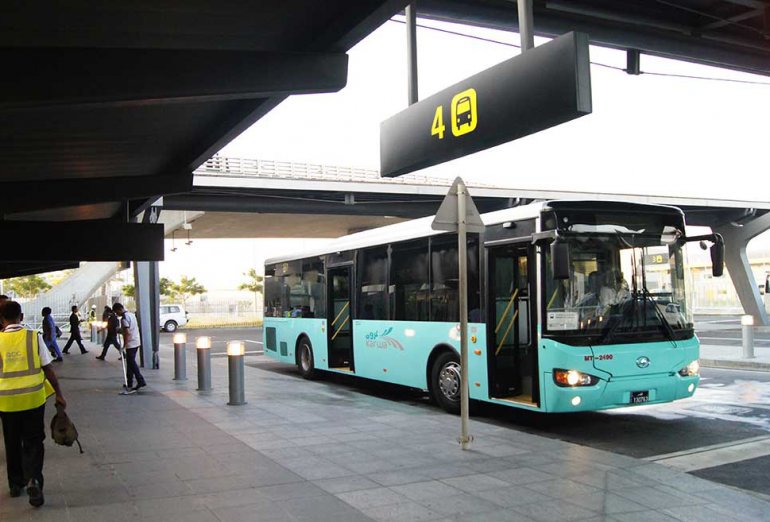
(446, 376)
(305, 361)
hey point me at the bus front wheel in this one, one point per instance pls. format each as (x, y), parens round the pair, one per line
(305, 362)
(445, 381)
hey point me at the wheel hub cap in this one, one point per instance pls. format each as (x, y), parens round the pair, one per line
(449, 381)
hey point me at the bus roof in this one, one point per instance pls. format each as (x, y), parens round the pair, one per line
(421, 227)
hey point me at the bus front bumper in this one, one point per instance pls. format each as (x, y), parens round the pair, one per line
(618, 392)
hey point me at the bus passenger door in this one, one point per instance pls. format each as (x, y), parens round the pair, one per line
(511, 349)
(340, 329)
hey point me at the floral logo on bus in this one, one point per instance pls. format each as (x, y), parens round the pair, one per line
(382, 340)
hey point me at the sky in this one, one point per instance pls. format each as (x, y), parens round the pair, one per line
(647, 134)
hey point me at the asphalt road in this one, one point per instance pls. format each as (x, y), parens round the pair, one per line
(252, 337)
(721, 434)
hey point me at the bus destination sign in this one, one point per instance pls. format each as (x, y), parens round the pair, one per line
(546, 86)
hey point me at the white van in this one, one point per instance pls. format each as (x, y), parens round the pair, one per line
(172, 317)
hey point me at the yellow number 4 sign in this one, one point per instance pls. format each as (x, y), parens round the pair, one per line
(464, 114)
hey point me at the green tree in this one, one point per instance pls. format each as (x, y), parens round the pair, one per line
(254, 284)
(188, 287)
(167, 287)
(57, 277)
(27, 286)
(129, 290)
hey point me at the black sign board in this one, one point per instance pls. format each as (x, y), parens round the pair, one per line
(545, 86)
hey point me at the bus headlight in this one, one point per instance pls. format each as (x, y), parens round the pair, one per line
(691, 369)
(573, 378)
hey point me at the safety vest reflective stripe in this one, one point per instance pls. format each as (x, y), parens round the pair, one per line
(23, 390)
(22, 384)
(30, 361)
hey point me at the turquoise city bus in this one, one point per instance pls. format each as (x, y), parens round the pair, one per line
(573, 306)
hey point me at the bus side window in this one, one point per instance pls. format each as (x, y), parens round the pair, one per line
(523, 286)
(372, 302)
(409, 281)
(444, 297)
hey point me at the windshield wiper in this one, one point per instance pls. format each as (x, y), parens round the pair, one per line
(648, 298)
(632, 306)
(662, 318)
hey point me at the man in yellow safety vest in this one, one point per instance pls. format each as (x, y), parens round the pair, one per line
(26, 381)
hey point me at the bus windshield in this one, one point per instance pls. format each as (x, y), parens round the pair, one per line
(624, 285)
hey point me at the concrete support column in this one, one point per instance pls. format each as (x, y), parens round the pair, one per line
(147, 288)
(148, 310)
(737, 263)
(526, 25)
(411, 52)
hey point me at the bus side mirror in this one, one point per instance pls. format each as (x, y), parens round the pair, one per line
(560, 259)
(718, 257)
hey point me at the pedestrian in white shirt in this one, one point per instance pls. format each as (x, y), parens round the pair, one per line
(131, 342)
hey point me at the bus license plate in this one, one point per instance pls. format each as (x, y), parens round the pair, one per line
(639, 397)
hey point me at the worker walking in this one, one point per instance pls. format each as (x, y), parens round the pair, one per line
(131, 343)
(50, 333)
(113, 328)
(75, 332)
(27, 378)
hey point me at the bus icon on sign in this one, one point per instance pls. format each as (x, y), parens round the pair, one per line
(463, 111)
(464, 114)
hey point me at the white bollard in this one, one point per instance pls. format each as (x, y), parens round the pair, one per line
(180, 357)
(235, 351)
(203, 349)
(747, 326)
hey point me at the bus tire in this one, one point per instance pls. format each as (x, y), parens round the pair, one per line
(305, 360)
(445, 381)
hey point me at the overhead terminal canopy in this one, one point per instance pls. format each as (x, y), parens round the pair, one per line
(106, 106)
(733, 34)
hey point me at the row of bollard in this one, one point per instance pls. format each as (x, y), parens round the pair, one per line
(235, 365)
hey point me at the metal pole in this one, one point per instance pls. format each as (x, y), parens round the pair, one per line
(411, 51)
(747, 326)
(526, 24)
(235, 373)
(180, 360)
(204, 369)
(462, 253)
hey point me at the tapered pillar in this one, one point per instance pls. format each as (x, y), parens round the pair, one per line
(737, 262)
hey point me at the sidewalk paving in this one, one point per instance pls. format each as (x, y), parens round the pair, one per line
(715, 356)
(318, 451)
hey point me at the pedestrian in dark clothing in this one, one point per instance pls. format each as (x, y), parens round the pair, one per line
(27, 380)
(50, 333)
(113, 328)
(74, 332)
(132, 343)
(106, 314)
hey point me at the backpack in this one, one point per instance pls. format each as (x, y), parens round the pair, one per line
(63, 431)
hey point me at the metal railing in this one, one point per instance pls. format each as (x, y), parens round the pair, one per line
(256, 168)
